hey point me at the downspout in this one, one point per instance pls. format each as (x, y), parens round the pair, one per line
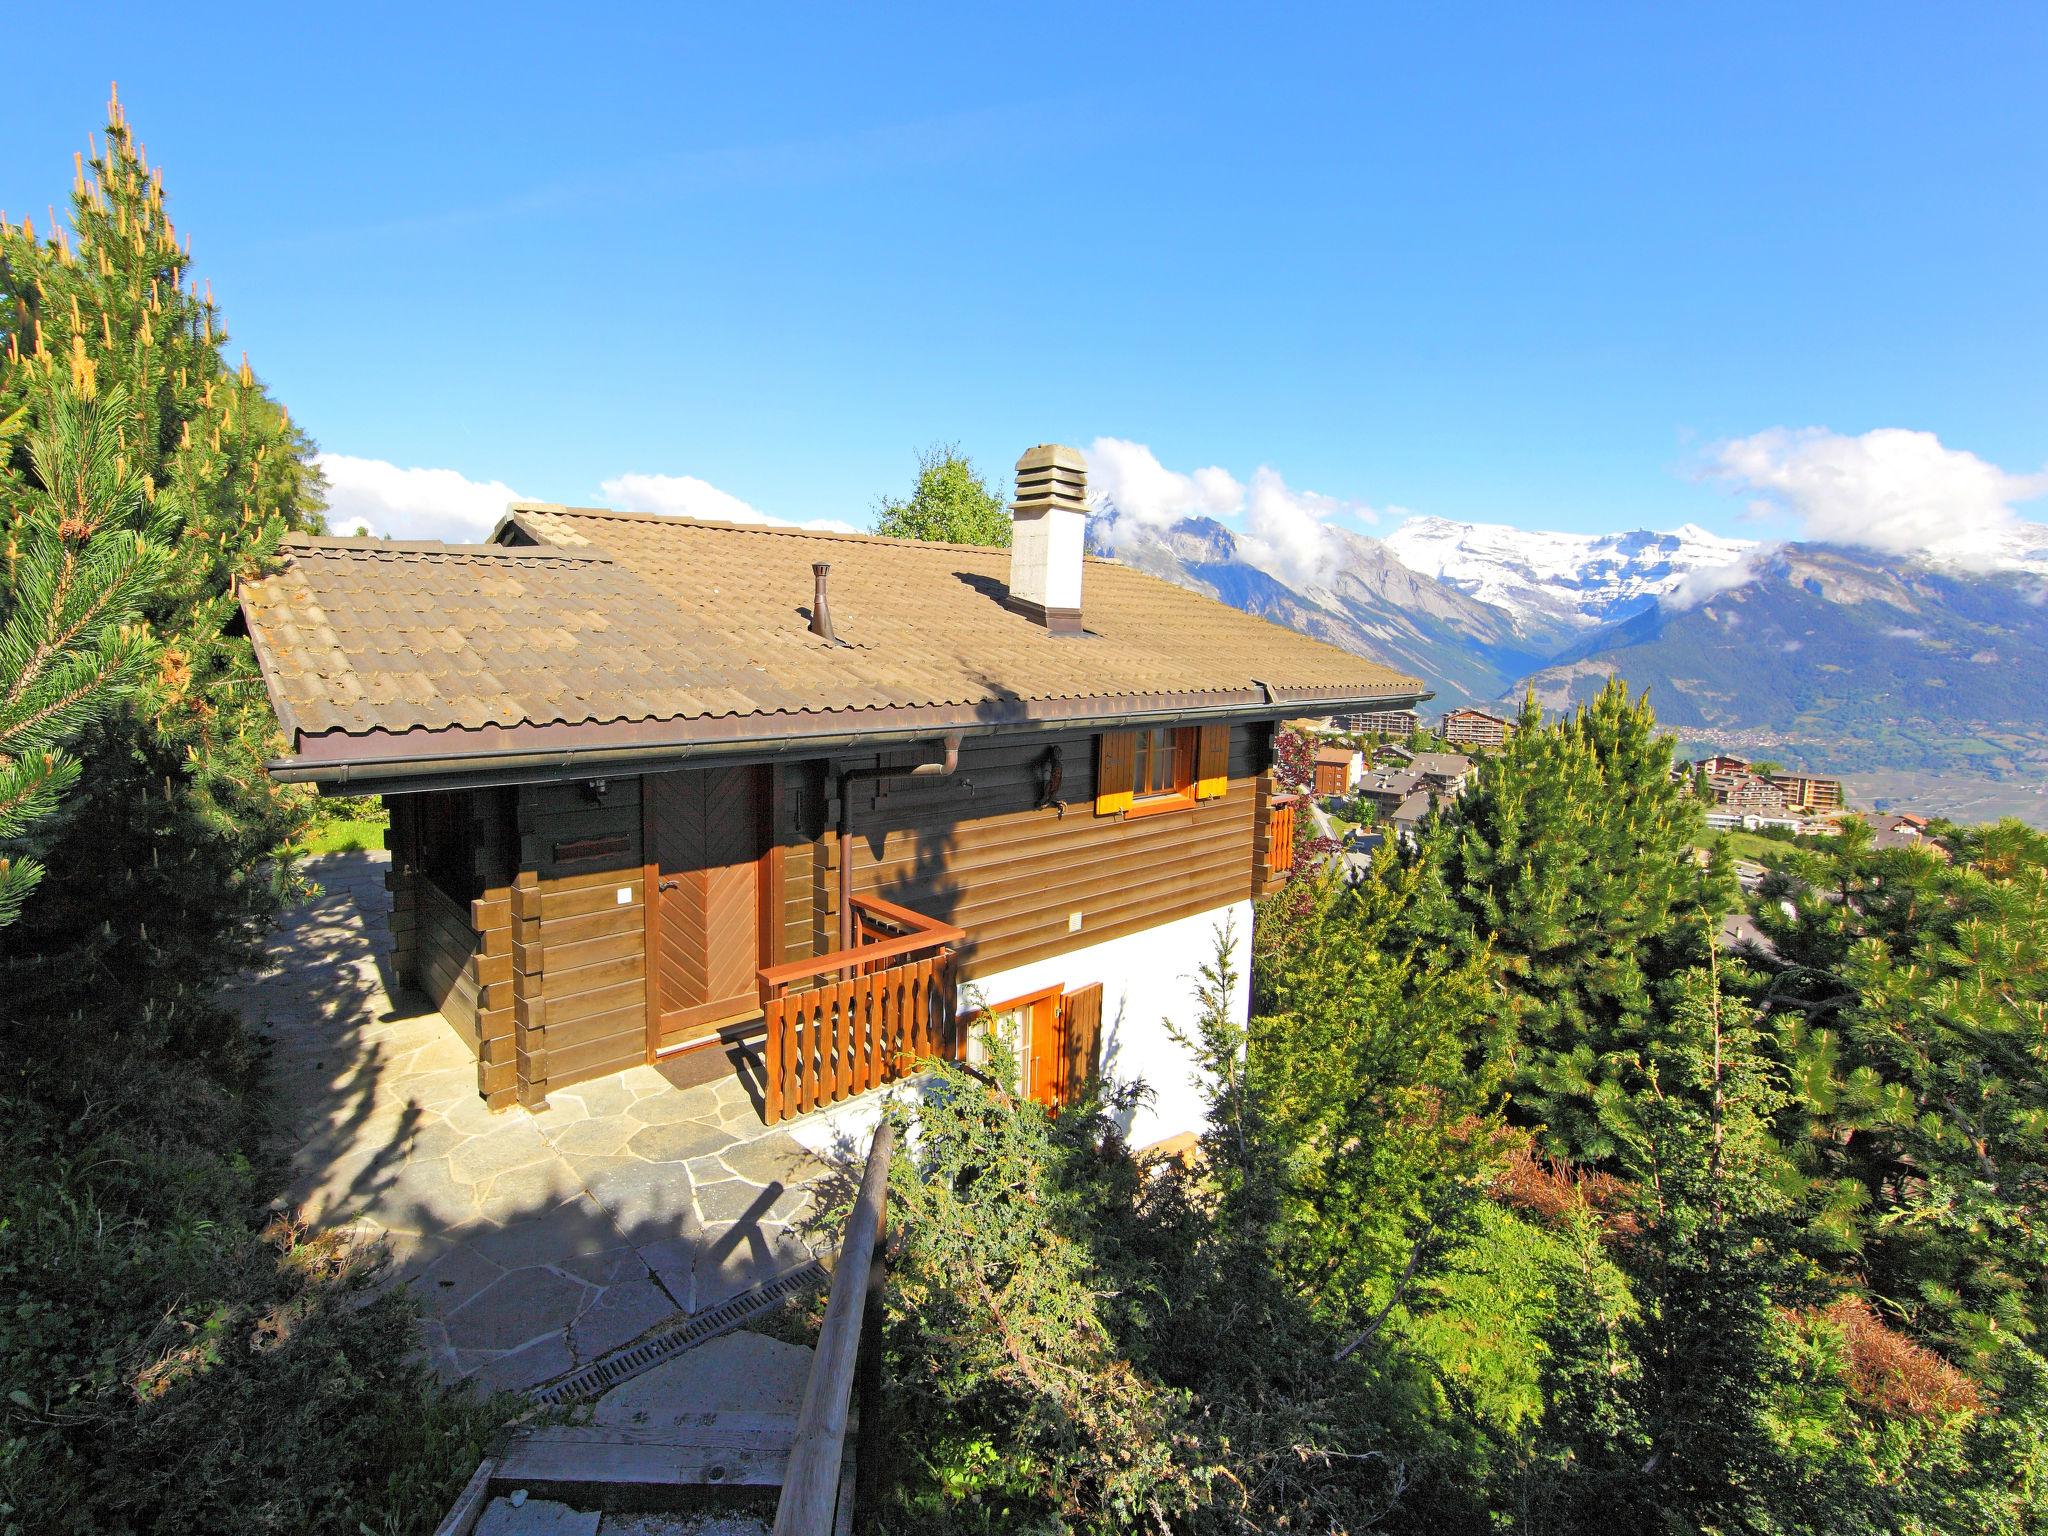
(943, 769)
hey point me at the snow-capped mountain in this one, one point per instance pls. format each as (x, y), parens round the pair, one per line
(2017, 547)
(1366, 601)
(1581, 579)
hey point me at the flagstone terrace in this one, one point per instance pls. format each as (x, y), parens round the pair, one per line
(536, 1242)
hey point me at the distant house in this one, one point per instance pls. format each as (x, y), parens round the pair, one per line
(1338, 769)
(1413, 811)
(1904, 830)
(1314, 725)
(1476, 728)
(1387, 788)
(1443, 773)
(1385, 722)
(1392, 754)
(1721, 819)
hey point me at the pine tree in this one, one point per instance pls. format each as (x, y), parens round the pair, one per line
(68, 648)
(1916, 995)
(950, 503)
(1571, 860)
(158, 886)
(1687, 1437)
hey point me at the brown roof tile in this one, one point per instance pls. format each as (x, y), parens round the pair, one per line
(619, 617)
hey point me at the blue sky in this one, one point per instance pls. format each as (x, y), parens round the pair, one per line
(1560, 267)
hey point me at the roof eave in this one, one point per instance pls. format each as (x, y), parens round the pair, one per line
(384, 762)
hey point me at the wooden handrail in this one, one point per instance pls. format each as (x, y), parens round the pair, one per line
(810, 1488)
(899, 914)
(930, 934)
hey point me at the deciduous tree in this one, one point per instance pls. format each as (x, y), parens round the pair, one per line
(950, 503)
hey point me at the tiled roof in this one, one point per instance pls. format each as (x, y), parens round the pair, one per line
(608, 618)
(1448, 765)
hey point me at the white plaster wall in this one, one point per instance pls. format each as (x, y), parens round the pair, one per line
(1147, 978)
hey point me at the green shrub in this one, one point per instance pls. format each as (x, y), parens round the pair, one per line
(174, 1358)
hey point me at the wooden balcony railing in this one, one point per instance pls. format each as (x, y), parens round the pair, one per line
(858, 1018)
(1279, 838)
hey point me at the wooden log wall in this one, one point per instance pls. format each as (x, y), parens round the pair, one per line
(578, 952)
(990, 860)
(456, 946)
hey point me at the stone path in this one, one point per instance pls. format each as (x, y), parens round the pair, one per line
(536, 1242)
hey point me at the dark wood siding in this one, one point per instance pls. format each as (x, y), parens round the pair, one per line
(977, 851)
(580, 953)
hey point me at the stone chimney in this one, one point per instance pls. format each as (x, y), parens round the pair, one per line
(1049, 524)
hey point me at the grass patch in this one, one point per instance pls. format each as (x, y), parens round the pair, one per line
(352, 835)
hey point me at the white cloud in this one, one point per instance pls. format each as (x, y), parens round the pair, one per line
(1698, 586)
(687, 496)
(1286, 532)
(1892, 489)
(1129, 477)
(372, 496)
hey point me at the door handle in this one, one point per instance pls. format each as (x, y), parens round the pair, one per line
(668, 885)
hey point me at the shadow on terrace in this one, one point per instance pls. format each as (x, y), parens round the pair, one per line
(535, 1243)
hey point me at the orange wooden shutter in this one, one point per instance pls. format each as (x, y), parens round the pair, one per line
(1080, 1039)
(1116, 767)
(1212, 762)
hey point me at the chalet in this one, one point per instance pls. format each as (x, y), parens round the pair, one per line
(1476, 728)
(1338, 769)
(1443, 773)
(1385, 788)
(1904, 830)
(788, 803)
(1412, 812)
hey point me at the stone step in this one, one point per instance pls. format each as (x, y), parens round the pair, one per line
(629, 1465)
(550, 1517)
(717, 1417)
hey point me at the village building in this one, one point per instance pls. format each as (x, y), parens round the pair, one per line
(1444, 773)
(1384, 722)
(1413, 811)
(1338, 770)
(782, 803)
(1476, 728)
(1385, 788)
(1806, 792)
(1902, 829)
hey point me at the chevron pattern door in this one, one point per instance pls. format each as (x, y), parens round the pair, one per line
(705, 837)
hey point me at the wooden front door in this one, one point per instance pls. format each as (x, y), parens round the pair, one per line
(705, 833)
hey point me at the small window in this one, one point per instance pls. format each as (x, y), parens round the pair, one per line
(1160, 768)
(1165, 763)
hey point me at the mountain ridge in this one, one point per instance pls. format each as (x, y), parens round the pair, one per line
(1846, 656)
